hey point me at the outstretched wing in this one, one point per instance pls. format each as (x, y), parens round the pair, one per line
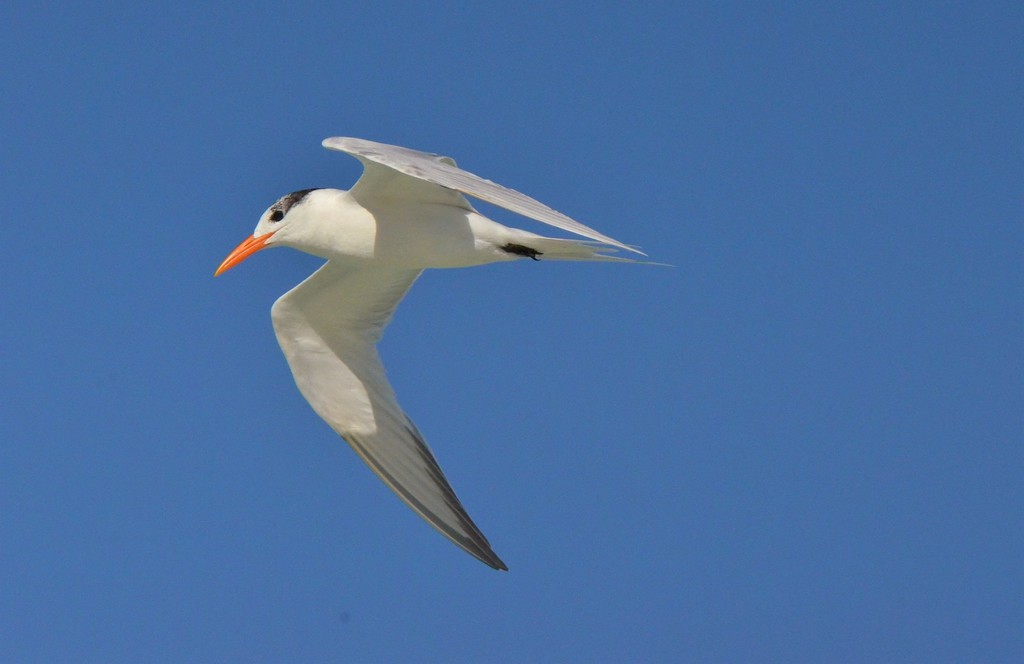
(328, 327)
(442, 171)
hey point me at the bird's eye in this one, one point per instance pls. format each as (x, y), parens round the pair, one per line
(276, 215)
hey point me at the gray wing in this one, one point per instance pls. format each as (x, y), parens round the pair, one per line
(442, 171)
(328, 327)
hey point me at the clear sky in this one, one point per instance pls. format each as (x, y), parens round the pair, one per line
(801, 443)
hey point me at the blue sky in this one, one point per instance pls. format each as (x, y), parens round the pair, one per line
(802, 443)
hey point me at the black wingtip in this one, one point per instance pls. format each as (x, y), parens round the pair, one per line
(496, 562)
(481, 550)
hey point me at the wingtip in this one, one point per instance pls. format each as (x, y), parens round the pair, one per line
(494, 561)
(337, 142)
(480, 549)
(497, 565)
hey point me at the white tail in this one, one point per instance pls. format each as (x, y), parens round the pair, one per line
(559, 249)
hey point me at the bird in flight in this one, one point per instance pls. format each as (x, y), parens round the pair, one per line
(407, 212)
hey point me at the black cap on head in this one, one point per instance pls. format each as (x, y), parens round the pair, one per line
(285, 203)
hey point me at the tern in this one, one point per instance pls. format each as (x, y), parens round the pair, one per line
(407, 212)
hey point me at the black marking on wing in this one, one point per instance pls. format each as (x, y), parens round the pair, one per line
(522, 250)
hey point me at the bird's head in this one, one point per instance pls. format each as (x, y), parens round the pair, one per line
(281, 220)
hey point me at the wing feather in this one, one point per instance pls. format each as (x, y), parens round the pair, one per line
(442, 171)
(328, 327)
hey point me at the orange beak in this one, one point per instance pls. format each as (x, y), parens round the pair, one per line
(248, 247)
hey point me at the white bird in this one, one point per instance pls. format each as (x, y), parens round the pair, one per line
(406, 213)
